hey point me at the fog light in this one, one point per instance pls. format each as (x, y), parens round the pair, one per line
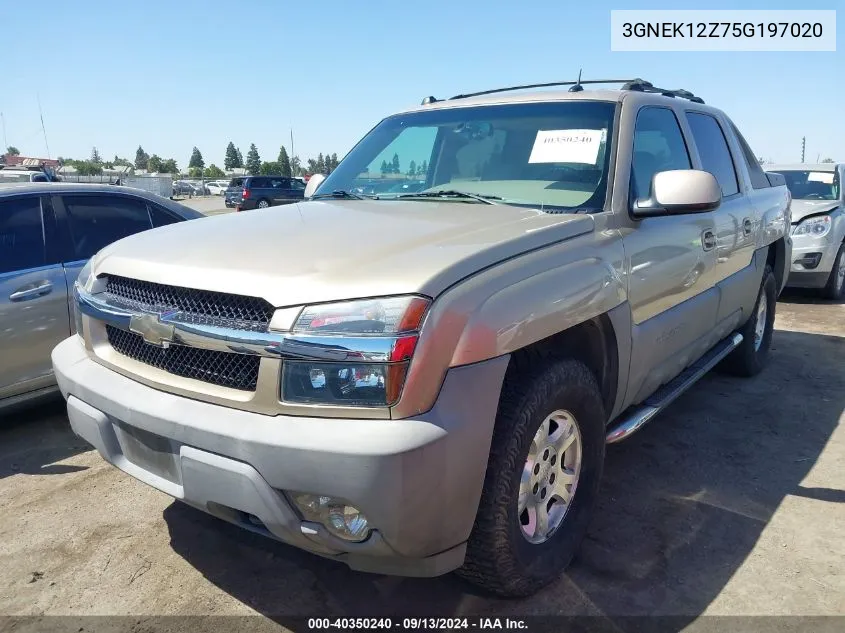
(810, 260)
(339, 517)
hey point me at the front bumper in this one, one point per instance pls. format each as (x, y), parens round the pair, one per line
(418, 480)
(805, 250)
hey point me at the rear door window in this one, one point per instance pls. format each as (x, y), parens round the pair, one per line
(713, 151)
(97, 221)
(758, 176)
(21, 234)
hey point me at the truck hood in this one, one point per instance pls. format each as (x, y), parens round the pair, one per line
(337, 249)
(802, 208)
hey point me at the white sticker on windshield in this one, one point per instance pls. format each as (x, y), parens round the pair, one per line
(821, 176)
(567, 146)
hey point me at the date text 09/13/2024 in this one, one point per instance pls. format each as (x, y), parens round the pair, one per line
(417, 623)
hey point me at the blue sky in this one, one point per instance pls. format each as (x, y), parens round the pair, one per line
(171, 75)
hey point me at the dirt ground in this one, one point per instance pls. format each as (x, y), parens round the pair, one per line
(732, 502)
(209, 205)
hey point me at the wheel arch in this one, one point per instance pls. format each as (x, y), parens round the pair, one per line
(593, 342)
(777, 259)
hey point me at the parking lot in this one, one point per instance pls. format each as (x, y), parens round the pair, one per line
(732, 502)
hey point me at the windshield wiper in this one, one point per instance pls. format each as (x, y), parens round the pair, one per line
(337, 193)
(451, 193)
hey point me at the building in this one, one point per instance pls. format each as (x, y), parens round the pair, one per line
(25, 162)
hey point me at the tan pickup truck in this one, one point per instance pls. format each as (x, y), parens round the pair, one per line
(418, 380)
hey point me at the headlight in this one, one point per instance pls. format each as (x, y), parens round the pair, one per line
(83, 280)
(817, 226)
(393, 315)
(366, 378)
(84, 276)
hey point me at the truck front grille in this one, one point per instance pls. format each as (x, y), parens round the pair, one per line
(225, 369)
(195, 306)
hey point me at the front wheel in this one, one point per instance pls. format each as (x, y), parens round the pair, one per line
(542, 480)
(836, 282)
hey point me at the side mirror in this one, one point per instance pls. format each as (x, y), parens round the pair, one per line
(315, 181)
(678, 192)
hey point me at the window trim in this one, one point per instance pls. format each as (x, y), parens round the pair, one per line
(740, 182)
(631, 196)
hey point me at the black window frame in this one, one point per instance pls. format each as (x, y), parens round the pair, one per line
(632, 194)
(740, 183)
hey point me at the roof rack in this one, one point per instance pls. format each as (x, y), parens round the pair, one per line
(639, 85)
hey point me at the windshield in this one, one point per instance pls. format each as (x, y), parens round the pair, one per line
(539, 154)
(812, 185)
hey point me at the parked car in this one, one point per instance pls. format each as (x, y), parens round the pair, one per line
(200, 188)
(427, 381)
(818, 226)
(217, 187)
(47, 233)
(11, 175)
(259, 192)
(183, 188)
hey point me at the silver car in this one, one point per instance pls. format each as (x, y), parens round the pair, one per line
(818, 226)
(47, 233)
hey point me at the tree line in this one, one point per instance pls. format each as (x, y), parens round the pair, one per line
(284, 165)
(394, 167)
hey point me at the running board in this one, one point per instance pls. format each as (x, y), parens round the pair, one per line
(667, 394)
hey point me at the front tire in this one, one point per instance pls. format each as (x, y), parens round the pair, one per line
(836, 282)
(750, 357)
(542, 480)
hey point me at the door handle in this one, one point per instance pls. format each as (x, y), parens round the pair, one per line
(708, 240)
(43, 288)
(747, 226)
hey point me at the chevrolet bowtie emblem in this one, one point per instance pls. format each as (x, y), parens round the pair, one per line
(151, 327)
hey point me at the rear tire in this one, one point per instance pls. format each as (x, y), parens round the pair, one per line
(750, 357)
(833, 290)
(263, 204)
(507, 553)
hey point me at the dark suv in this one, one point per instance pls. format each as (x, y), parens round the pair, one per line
(258, 192)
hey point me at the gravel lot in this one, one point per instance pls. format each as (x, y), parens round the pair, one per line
(732, 502)
(209, 205)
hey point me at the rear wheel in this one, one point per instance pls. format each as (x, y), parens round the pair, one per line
(750, 357)
(542, 480)
(836, 282)
(263, 204)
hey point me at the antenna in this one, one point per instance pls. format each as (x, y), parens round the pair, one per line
(43, 129)
(577, 87)
(292, 153)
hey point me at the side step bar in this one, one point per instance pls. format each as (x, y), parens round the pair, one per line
(667, 394)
